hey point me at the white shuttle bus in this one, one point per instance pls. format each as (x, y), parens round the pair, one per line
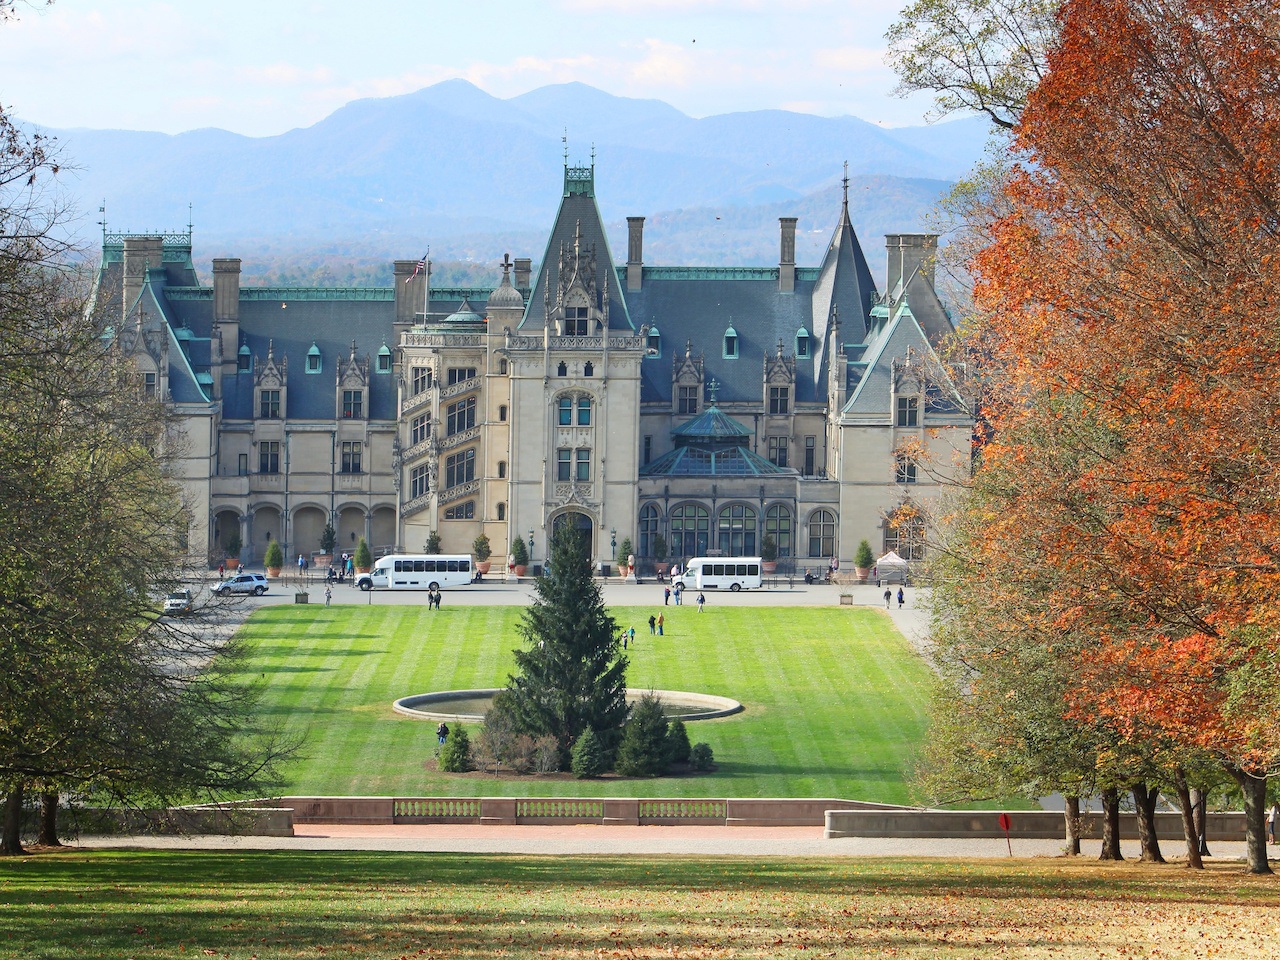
(418, 571)
(722, 573)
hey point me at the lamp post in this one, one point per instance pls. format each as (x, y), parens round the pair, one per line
(613, 540)
(531, 544)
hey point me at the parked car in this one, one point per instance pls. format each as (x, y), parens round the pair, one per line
(179, 603)
(255, 583)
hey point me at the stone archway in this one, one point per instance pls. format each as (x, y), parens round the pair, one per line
(308, 525)
(575, 520)
(350, 528)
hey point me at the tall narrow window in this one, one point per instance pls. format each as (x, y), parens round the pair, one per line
(269, 404)
(908, 411)
(269, 456)
(564, 465)
(148, 384)
(242, 465)
(779, 399)
(502, 511)
(502, 413)
(460, 468)
(244, 360)
(810, 455)
(353, 404)
(648, 529)
(502, 469)
(566, 411)
(777, 524)
(384, 359)
(421, 380)
(584, 411)
(730, 343)
(351, 456)
(648, 449)
(460, 416)
(419, 429)
(778, 451)
(653, 343)
(562, 370)
(688, 400)
(582, 472)
(822, 534)
(802, 344)
(419, 482)
(314, 362)
(904, 469)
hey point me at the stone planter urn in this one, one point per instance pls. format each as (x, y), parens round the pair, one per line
(520, 568)
(273, 572)
(863, 573)
(483, 566)
(769, 566)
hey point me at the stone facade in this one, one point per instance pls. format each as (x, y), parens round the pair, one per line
(706, 407)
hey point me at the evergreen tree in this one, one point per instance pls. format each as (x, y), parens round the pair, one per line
(677, 742)
(572, 676)
(589, 759)
(643, 751)
(455, 755)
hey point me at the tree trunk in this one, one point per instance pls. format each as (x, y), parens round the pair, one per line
(49, 820)
(1200, 803)
(11, 835)
(1071, 813)
(1189, 830)
(1111, 825)
(1255, 818)
(1144, 802)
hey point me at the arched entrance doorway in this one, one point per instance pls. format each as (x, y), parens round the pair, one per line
(574, 520)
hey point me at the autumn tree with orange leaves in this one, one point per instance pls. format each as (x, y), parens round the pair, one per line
(1130, 336)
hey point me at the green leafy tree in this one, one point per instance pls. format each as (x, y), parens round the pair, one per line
(643, 751)
(455, 755)
(589, 758)
(364, 556)
(571, 677)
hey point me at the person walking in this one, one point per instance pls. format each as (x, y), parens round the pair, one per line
(632, 633)
(442, 733)
(661, 619)
(1272, 815)
(888, 596)
(902, 598)
(653, 624)
(222, 570)
(678, 592)
(666, 595)
(702, 599)
(328, 595)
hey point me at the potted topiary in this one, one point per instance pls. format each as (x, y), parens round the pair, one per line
(328, 540)
(273, 559)
(519, 557)
(480, 547)
(432, 544)
(363, 559)
(233, 547)
(624, 557)
(862, 561)
(769, 554)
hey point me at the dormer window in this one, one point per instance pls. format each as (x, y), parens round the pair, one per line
(575, 321)
(802, 344)
(384, 359)
(244, 361)
(353, 404)
(730, 343)
(314, 362)
(269, 404)
(653, 343)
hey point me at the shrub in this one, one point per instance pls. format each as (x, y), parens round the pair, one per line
(519, 553)
(863, 558)
(643, 751)
(274, 557)
(455, 755)
(328, 539)
(700, 757)
(546, 755)
(588, 756)
(496, 744)
(432, 543)
(364, 556)
(677, 742)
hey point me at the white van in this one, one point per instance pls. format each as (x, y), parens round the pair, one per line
(418, 571)
(722, 573)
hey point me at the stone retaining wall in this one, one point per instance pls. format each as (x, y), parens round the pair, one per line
(1027, 824)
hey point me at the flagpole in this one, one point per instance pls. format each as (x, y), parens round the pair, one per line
(426, 288)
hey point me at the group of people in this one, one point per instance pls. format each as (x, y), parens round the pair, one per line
(433, 598)
(342, 570)
(888, 597)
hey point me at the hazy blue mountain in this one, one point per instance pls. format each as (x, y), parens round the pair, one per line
(454, 167)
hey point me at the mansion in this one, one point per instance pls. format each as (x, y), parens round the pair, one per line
(708, 406)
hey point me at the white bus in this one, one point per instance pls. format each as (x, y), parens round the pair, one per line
(721, 573)
(418, 571)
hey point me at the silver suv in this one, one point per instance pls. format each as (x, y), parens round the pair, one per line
(254, 583)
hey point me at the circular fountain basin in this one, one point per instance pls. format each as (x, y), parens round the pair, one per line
(470, 706)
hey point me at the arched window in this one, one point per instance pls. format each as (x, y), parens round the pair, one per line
(904, 534)
(822, 534)
(690, 530)
(315, 362)
(730, 343)
(648, 529)
(502, 511)
(777, 524)
(384, 359)
(502, 469)
(562, 370)
(653, 343)
(588, 370)
(736, 529)
(802, 344)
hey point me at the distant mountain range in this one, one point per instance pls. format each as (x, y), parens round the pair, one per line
(475, 176)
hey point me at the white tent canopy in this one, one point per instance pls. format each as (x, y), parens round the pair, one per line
(892, 567)
(891, 560)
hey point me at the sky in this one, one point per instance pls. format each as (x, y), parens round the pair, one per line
(261, 67)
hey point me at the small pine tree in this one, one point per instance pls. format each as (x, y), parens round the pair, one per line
(624, 551)
(643, 751)
(701, 757)
(274, 557)
(432, 544)
(455, 755)
(519, 553)
(588, 758)
(364, 556)
(659, 548)
(677, 742)
(328, 539)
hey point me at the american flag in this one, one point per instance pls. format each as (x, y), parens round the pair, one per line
(422, 265)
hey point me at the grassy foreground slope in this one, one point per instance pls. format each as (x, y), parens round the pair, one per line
(835, 697)
(288, 904)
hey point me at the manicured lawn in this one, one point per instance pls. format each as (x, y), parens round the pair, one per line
(272, 906)
(835, 698)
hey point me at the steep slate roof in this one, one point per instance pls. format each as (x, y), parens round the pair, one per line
(578, 210)
(871, 378)
(844, 285)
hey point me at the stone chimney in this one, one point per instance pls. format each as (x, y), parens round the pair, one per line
(524, 270)
(139, 254)
(226, 291)
(635, 252)
(907, 252)
(787, 258)
(405, 304)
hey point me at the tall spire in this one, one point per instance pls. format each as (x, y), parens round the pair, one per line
(845, 181)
